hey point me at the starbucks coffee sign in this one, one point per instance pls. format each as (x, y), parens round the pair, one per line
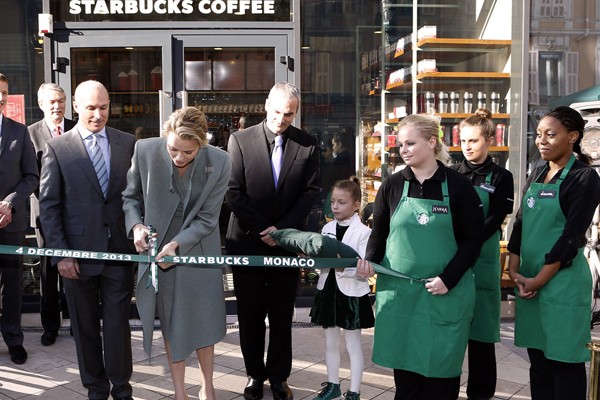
(171, 10)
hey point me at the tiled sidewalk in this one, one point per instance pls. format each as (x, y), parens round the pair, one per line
(51, 373)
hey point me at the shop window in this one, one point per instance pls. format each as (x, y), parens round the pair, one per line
(552, 75)
(552, 8)
(534, 85)
(336, 7)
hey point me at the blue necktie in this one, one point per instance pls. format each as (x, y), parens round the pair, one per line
(99, 164)
(277, 157)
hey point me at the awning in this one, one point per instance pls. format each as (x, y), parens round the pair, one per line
(589, 94)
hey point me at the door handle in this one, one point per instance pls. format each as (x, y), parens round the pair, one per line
(183, 96)
(287, 60)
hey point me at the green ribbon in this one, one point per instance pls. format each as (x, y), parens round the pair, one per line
(203, 260)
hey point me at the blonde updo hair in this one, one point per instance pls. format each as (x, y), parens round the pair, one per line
(482, 119)
(428, 126)
(188, 123)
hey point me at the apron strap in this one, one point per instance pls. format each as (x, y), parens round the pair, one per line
(488, 178)
(445, 188)
(564, 172)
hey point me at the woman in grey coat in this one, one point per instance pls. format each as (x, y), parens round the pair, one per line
(176, 184)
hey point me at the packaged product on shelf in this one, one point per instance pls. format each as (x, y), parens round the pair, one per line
(468, 102)
(426, 32)
(500, 130)
(378, 129)
(133, 79)
(443, 102)
(156, 78)
(481, 102)
(455, 135)
(400, 112)
(430, 103)
(495, 102)
(426, 65)
(391, 140)
(123, 80)
(454, 100)
(396, 76)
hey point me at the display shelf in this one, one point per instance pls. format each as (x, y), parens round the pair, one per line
(450, 80)
(448, 116)
(447, 71)
(465, 48)
(462, 75)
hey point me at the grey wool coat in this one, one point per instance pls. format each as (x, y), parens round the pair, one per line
(198, 312)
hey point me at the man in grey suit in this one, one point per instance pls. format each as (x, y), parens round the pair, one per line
(51, 99)
(81, 208)
(268, 192)
(19, 177)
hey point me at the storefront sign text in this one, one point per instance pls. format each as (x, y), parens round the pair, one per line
(173, 10)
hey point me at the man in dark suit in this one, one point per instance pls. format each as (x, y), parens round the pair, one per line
(259, 205)
(51, 99)
(19, 177)
(81, 208)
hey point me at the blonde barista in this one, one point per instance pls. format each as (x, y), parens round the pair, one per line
(428, 224)
(547, 265)
(495, 188)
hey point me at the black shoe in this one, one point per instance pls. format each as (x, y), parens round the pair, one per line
(48, 338)
(18, 355)
(253, 389)
(123, 398)
(281, 391)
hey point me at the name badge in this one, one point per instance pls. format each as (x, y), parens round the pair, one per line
(546, 194)
(439, 209)
(487, 187)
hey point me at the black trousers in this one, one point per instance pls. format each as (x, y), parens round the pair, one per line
(11, 289)
(103, 352)
(51, 295)
(262, 292)
(556, 380)
(413, 386)
(482, 370)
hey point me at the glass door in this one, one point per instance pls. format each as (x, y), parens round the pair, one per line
(133, 69)
(228, 76)
(151, 73)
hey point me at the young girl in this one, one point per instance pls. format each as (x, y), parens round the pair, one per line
(342, 300)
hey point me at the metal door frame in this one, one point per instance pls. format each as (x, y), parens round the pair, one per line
(172, 44)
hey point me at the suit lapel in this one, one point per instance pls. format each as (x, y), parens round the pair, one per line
(262, 153)
(289, 155)
(45, 132)
(5, 134)
(116, 159)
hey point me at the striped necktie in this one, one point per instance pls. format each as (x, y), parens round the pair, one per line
(99, 164)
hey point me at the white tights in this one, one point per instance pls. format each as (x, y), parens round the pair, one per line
(355, 353)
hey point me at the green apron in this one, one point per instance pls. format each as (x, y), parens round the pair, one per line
(414, 330)
(486, 319)
(557, 319)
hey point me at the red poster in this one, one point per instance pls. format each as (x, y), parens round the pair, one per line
(15, 107)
